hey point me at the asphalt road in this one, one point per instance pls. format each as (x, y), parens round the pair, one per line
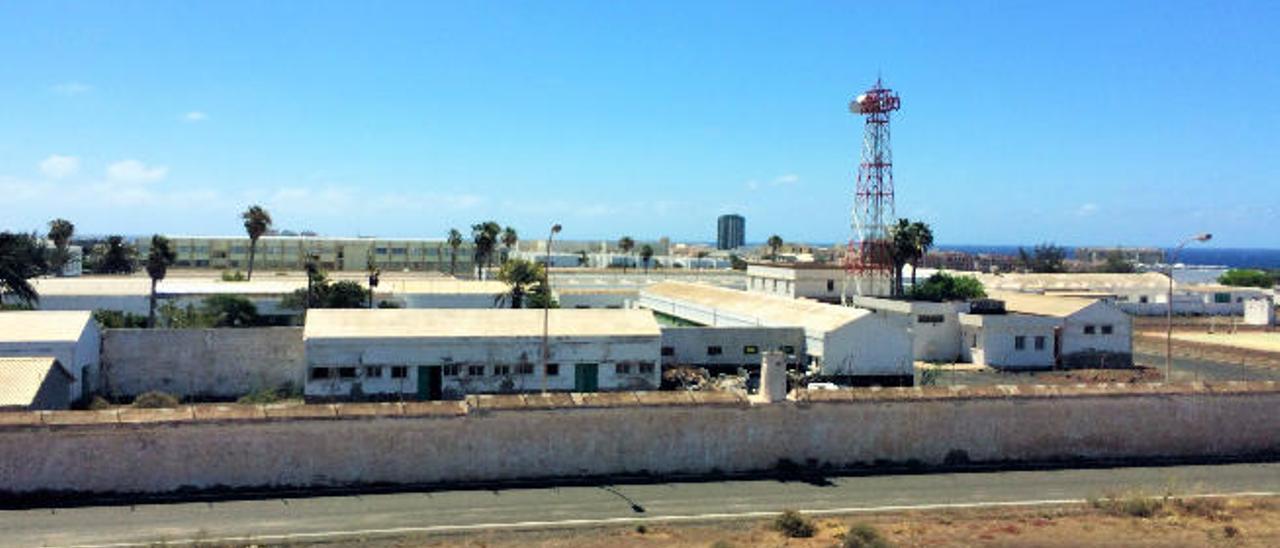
(365, 516)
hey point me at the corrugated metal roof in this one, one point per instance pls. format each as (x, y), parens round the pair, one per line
(767, 309)
(1072, 281)
(21, 379)
(43, 325)
(455, 323)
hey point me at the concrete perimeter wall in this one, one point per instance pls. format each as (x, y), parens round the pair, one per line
(495, 438)
(211, 363)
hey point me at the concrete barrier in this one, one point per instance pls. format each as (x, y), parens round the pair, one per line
(498, 438)
(202, 363)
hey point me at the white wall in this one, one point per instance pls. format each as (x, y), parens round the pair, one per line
(1098, 315)
(1259, 312)
(997, 340)
(80, 357)
(877, 344)
(689, 344)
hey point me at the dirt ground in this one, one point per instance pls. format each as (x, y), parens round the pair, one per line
(1253, 340)
(1116, 521)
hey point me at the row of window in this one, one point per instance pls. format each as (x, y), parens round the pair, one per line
(749, 350)
(1020, 342)
(1091, 329)
(456, 370)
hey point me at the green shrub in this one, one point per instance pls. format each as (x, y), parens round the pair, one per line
(864, 536)
(793, 525)
(156, 400)
(98, 403)
(236, 276)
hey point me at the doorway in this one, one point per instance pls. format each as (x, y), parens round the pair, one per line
(430, 383)
(586, 377)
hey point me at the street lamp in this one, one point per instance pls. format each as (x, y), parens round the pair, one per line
(1168, 335)
(546, 303)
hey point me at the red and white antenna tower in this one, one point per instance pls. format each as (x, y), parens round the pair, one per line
(869, 261)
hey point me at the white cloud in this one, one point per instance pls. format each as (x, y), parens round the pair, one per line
(70, 89)
(57, 167)
(133, 171)
(786, 180)
(195, 116)
(1087, 210)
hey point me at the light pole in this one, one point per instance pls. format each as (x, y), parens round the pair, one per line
(546, 304)
(1168, 334)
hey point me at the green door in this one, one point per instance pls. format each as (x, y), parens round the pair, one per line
(429, 382)
(586, 377)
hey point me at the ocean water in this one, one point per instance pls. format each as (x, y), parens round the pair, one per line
(1208, 256)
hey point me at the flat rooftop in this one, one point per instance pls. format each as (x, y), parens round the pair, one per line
(1040, 305)
(43, 325)
(477, 323)
(1072, 281)
(769, 310)
(21, 379)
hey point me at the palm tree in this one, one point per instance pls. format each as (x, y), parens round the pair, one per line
(775, 243)
(509, 239)
(626, 244)
(520, 275)
(117, 257)
(158, 261)
(455, 241)
(485, 237)
(21, 258)
(646, 253)
(902, 247)
(922, 237)
(60, 232)
(256, 222)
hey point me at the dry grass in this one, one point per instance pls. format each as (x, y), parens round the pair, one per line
(1121, 520)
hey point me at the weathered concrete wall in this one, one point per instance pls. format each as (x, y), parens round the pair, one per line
(510, 437)
(216, 363)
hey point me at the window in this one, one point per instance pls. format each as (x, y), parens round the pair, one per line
(1020, 343)
(1107, 329)
(831, 285)
(789, 350)
(524, 369)
(1221, 297)
(320, 373)
(373, 372)
(750, 349)
(1040, 342)
(475, 370)
(1089, 330)
(501, 370)
(622, 368)
(668, 351)
(1143, 299)
(399, 372)
(346, 372)
(646, 368)
(553, 370)
(451, 370)
(930, 318)
(714, 351)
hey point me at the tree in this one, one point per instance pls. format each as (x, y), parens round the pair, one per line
(942, 287)
(1116, 263)
(541, 297)
(230, 311)
(520, 275)
(646, 255)
(485, 237)
(1045, 258)
(256, 223)
(626, 244)
(325, 293)
(21, 258)
(1241, 277)
(583, 259)
(775, 243)
(922, 237)
(509, 239)
(60, 232)
(117, 257)
(902, 247)
(158, 261)
(455, 241)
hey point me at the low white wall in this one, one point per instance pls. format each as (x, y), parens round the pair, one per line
(214, 363)
(689, 344)
(659, 439)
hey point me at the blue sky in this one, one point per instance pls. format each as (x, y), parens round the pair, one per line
(1074, 122)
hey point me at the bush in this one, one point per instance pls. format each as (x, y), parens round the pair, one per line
(236, 276)
(264, 396)
(864, 536)
(98, 403)
(793, 525)
(942, 287)
(1134, 505)
(156, 400)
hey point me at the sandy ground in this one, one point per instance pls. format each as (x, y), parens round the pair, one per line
(1110, 522)
(1261, 341)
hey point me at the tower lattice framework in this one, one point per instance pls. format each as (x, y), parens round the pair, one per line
(869, 259)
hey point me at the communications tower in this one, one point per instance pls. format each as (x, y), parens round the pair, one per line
(869, 261)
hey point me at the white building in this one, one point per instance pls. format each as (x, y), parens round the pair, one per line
(435, 354)
(34, 384)
(840, 341)
(1012, 341)
(1089, 333)
(818, 281)
(72, 338)
(727, 349)
(935, 327)
(1259, 312)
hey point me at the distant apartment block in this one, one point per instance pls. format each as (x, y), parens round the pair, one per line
(731, 231)
(290, 253)
(1140, 255)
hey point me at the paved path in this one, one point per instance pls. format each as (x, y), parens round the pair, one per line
(356, 516)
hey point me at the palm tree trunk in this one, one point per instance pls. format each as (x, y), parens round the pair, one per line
(253, 251)
(151, 316)
(913, 275)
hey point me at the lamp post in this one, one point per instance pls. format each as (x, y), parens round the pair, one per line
(546, 304)
(1168, 335)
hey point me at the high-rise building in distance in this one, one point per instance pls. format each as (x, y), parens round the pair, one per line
(731, 231)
